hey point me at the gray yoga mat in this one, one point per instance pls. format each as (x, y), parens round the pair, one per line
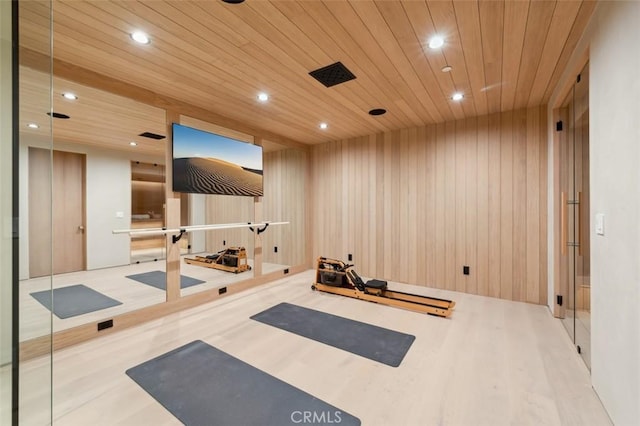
(74, 300)
(202, 385)
(369, 341)
(158, 279)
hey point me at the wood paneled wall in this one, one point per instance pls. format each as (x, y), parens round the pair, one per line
(416, 205)
(285, 179)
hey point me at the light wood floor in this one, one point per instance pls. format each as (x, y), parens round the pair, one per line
(494, 362)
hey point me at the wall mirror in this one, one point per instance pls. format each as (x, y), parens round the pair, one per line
(224, 257)
(96, 176)
(285, 175)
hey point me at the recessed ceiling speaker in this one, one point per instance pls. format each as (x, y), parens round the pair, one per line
(377, 111)
(333, 74)
(58, 115)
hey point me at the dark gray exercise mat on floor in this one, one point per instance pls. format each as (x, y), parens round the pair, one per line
(370, 341)
(203, 386)
(158, 279)
(74, 300)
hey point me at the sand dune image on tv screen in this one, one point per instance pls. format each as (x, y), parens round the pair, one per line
(215, 176)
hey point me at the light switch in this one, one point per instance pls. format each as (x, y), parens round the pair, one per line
(120, 215)
(600, 223)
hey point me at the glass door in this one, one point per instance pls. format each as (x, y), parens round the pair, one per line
(8, 290)
(581, 218)
(34, 195)
(574, 216)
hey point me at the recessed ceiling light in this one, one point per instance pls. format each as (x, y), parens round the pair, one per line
(140, 37)
(457, 96)
(436, 42)
(263, 97)
(132, 143)
(70, 96)
(447, 68)
(32, 126)
(323, 126)
(233, 1)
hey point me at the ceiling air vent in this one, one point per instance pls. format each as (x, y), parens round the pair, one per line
(332, 74)
(152, 135)
(58, 115)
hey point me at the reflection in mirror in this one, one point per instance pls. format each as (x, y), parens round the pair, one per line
(147, 210)
(284, 194)
(86, 174)
(226, 253)
(217, 257)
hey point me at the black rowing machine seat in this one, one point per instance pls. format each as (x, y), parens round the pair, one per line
(376, 284)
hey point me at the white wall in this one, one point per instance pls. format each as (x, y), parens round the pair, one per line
(614, 154)
(108, 190)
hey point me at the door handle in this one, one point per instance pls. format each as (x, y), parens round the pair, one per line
(81, 228)
(564, 229)
(579, 223)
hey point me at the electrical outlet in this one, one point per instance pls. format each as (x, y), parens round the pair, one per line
(275, 249)
(224, 242)
(466, 270)
(105, 324)
(222, 290)
(286, 271)
(350, 257)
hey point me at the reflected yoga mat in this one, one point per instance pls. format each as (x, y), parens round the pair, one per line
(74, 300)
(158, 279)
(376, 343)
(203, 386)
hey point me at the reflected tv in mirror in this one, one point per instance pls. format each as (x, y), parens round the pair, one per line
(207, 163)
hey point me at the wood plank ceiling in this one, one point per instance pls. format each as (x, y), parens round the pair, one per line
(216, 56)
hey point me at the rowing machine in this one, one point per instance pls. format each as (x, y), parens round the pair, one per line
(337, 277)
(233, 259)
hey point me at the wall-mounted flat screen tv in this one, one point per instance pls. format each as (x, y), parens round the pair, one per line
(207, 163)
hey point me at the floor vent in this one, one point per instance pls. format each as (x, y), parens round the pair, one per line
(332, 74)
